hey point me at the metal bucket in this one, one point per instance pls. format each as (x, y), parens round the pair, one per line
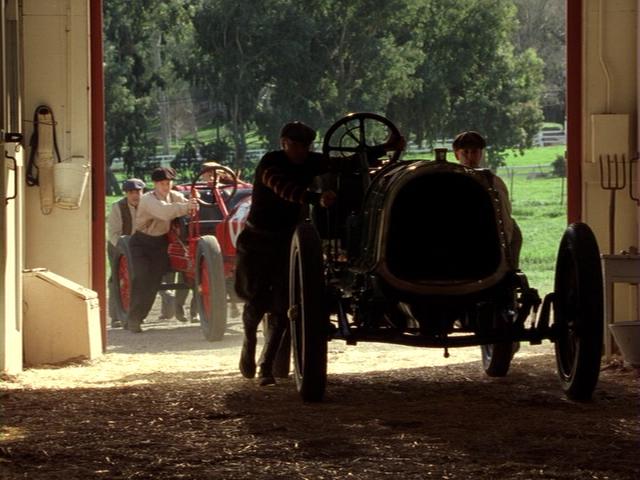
(627, 337)
(70, 182)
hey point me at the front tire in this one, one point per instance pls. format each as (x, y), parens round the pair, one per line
(496, 358)
(123, 265)
(578, 312)
(211, 294)
(307, 313)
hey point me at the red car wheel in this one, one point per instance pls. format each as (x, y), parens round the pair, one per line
(124, 271)
(210, 288)
(125, 282)
(205, 287)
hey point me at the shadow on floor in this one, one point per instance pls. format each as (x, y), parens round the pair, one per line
(434, 422)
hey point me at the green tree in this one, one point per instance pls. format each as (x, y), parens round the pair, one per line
(434, 66)
(128, 84)
(541, 27)
(232, 43)
(277, 60)
(472, 78)
(370, 52)
(135, 72)
(340, 57)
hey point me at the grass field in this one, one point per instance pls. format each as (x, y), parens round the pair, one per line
(540, 210)
(539, 207)
(542, 219)
(535, 156)
(531, 156)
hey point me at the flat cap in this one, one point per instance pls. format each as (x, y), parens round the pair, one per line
(298, 132)
(469, 139)
(163, 173)
(133, 184)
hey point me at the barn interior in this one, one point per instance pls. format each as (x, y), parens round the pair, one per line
(79, 400)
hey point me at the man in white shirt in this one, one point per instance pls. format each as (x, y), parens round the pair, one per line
(121, 221)
(149, 243)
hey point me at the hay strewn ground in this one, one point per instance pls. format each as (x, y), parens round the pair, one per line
(167, 404)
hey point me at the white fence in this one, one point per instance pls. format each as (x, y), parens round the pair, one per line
(529, 171)
(165, 160)
(546, 138)
(543, 138)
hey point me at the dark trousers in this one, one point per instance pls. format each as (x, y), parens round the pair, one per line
(111, 283)
(262, 282)
(168, 305)
(272, 328)
(275, 326)
(150, 263)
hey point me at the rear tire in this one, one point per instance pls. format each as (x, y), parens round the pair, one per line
(307, 313)
(578, 312)
(210, 291)
(124, 273)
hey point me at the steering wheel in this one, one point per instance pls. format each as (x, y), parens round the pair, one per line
(213, 172)
(360, 133)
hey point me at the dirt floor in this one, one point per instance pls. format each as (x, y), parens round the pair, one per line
(168, 404)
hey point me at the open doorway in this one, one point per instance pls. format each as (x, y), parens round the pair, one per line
(217, 84)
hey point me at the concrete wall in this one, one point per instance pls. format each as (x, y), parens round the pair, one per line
(56, 73)
(610, 123)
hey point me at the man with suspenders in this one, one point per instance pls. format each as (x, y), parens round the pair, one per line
(149, 242)
(121, 221)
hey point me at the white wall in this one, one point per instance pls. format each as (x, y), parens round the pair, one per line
(610, 50)
(56, 73)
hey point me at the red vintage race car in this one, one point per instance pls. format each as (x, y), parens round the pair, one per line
(202, 247)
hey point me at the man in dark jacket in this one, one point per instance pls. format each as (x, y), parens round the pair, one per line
(279, 199)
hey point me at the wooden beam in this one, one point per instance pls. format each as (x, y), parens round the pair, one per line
(574, 17)
(98, 163)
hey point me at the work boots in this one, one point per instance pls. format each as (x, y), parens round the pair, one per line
(248, 356)
(250, 319)
(134, 326)
(277, 327)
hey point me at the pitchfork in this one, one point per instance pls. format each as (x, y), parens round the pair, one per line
(615, 179)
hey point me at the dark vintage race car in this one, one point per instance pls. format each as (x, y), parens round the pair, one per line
(416, 253)
(202, 247)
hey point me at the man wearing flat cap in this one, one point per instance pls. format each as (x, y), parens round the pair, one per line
(121, 221)
(469, 147)
(149, 243)
(279, 198)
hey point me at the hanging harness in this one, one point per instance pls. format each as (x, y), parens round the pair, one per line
(42, 158)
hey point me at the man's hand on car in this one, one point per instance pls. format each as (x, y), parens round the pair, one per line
(193, 204)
